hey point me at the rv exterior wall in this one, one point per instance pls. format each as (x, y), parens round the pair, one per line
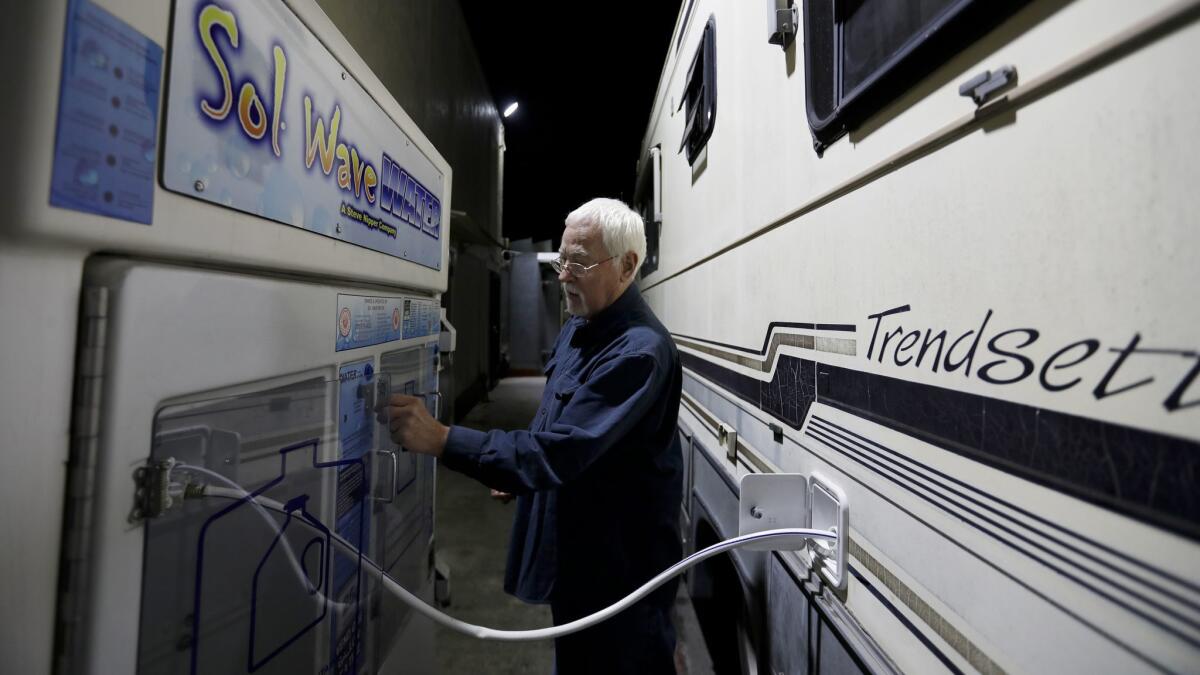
(1054, 238)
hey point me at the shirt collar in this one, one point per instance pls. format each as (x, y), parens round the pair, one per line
(614, 313)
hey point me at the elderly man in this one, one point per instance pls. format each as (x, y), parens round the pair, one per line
(598, 474)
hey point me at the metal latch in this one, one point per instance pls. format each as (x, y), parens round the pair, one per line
(776, 432)
(783, 22)
(727, 436)
(983, 85)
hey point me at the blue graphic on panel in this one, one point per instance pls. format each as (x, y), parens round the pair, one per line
(106, 138)
(263, 593)
(283, 613)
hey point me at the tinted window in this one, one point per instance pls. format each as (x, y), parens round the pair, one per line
(700, 94)
(874, 31)
(861, 54)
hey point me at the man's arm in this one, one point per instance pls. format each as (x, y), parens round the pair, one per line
(604, 409)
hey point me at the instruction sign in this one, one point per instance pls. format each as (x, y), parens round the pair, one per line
(105, 141)
(365, 320)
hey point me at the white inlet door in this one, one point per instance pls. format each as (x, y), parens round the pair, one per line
(238, 379)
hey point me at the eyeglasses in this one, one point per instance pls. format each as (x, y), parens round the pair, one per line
(575, 269)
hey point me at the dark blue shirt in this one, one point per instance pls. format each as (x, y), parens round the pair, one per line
(599, 472)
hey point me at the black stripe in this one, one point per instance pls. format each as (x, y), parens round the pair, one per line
(995, 567)
(904, 620)
(1147, 476)
(835, 428)
(744, 387)
(1023, 547)
(1144, 475)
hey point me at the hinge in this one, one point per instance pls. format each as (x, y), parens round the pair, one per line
(151, 496)
(78, 516)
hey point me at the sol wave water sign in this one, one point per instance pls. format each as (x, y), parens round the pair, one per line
(263, 119)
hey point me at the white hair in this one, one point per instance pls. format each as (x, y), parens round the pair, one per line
(621, 228)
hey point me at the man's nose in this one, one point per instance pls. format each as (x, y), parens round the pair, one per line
(564, 275)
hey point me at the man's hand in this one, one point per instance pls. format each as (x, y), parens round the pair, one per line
(412, 426)
(502, 497)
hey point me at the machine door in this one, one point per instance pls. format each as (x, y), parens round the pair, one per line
(404, 514)
(197, 385)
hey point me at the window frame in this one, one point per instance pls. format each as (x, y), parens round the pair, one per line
(953, 30)
(697, 134)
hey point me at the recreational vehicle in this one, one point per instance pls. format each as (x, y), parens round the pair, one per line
(939, 259)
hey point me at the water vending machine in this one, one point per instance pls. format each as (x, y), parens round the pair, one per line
(227, 248)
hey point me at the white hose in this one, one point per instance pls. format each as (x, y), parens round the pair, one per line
(788, 538)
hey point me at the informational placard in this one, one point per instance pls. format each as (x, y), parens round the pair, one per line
(105, 142)
(365, 320)
(420, 318)
(263, 119)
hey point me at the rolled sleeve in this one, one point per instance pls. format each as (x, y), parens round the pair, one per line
(463, 448)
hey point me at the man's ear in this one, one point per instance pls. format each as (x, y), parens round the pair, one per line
(628, 265)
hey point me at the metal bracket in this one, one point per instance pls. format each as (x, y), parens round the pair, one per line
(776, 431)
(770, 501)
(983, 85)
(727, 436)
(151, 497)
(785, 23)
(441, 582)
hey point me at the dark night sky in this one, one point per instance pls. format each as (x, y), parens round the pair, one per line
(584, 74)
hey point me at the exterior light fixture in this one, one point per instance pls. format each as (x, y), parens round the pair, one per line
(512, 108)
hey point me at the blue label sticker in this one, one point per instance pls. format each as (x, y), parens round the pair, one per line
(106, 140)
(364, 320)
(420, 318)
(356, 439)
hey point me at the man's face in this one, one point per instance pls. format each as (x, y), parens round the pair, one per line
(599, 286)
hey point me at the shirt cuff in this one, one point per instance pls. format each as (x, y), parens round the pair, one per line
(463, 448)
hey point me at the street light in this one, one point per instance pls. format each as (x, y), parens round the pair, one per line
(512, 108)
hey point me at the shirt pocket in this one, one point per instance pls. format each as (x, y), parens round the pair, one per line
(564, 391)
(561, 394)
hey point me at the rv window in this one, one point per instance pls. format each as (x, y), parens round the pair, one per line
(700, 94)
(861, 54)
